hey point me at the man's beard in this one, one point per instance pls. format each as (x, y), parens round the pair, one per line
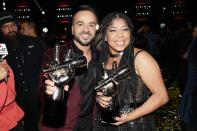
(83, 43)
(11, 35)
(12, 41)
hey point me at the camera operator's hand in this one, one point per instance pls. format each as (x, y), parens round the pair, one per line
(4, 69)
(50, 87)
(102, 100)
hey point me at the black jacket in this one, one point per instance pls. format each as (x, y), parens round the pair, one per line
(25, 59)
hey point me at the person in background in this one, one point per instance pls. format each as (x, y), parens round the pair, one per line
(81, 96)
(151, 41)
(25, 58)
(194, 36)
(140, 94)
(10, 113)
(188, 106)
(28, 27)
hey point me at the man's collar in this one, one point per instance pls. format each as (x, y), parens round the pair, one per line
(76, 50)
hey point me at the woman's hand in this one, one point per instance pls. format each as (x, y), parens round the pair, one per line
(103, 100)
(121, 120)
(50, 87)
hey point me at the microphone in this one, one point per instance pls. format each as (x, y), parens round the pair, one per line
(3, 54)
(3, 51)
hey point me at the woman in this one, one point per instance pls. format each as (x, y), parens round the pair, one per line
(10, 113)
(141, 93)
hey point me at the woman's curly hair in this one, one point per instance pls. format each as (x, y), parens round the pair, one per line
(128, 54)
(105, 24)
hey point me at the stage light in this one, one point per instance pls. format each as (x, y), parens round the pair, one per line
(64, 12)
(43, 12)
(162, 25)
(45, 29)
(39, 7)
(97, 27)
(4, 6)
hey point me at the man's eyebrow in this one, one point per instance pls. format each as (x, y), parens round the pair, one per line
(79, 22)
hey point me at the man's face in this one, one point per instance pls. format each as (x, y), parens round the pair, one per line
(84, 27)
(9, 29)
(25, 29)
(194, 33)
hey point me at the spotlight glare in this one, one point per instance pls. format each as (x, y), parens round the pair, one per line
(97, 27)
(45, 29)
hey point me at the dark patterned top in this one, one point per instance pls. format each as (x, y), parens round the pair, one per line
(129, 100)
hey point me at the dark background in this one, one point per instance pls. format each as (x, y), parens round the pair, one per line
(104, 7)
(50, 5)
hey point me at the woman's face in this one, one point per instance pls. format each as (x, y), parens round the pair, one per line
(118, 35)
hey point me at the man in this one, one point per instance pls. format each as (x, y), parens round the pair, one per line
(188, 104)
(25, 58)
(80, 101)
(28, 27)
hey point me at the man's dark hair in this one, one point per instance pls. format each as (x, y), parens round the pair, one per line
(30, 23)
(85, 8)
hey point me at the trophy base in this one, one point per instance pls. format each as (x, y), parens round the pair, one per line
(107, 116)
(54, 113)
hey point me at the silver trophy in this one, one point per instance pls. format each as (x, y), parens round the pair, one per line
(109, 87)
(60, 74)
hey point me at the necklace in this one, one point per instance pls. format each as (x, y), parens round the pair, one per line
(115, 55)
